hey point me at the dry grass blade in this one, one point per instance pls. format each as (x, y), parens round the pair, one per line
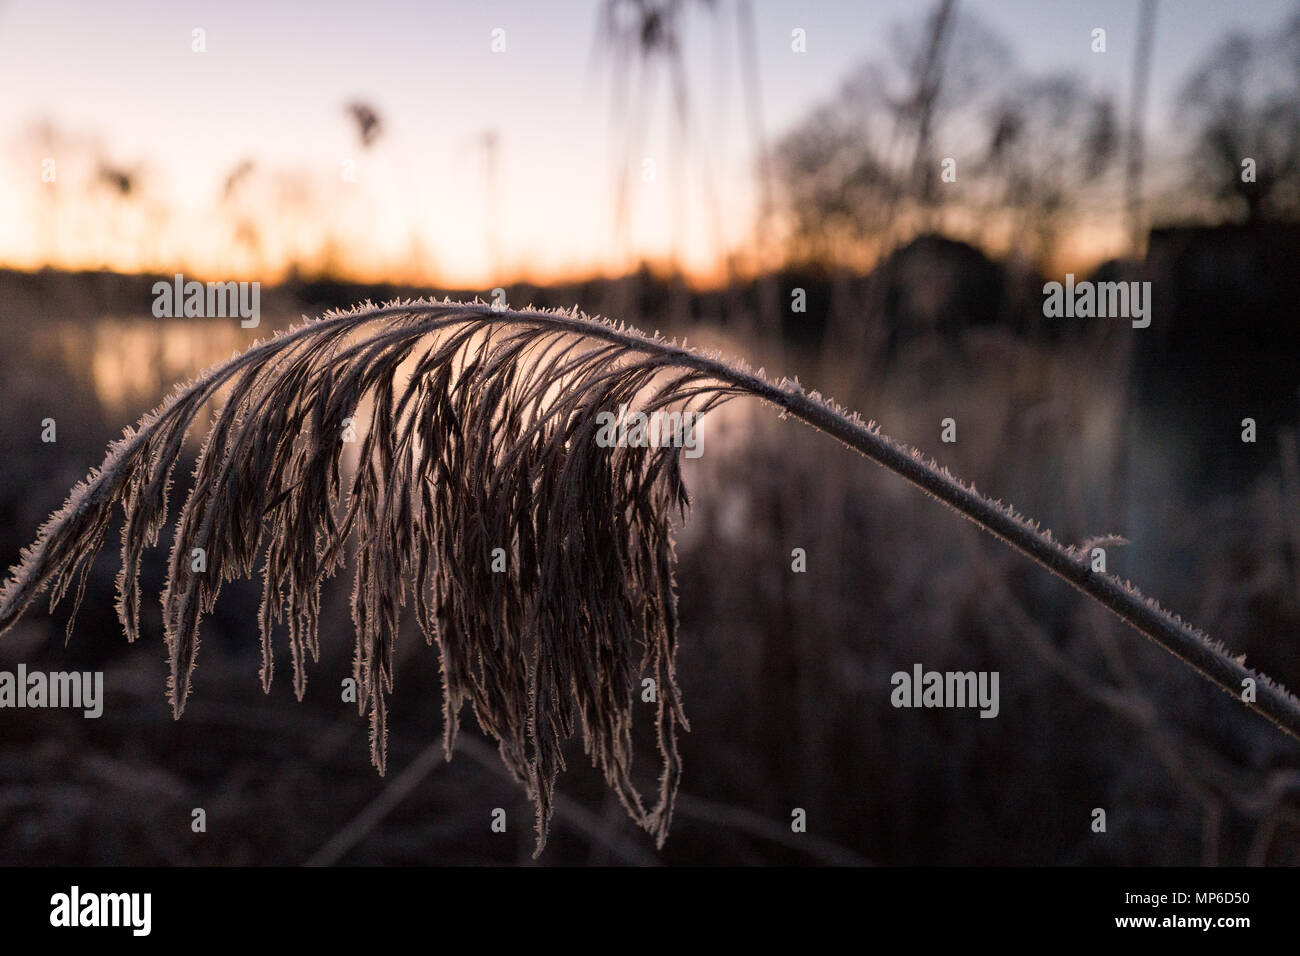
(481, 436)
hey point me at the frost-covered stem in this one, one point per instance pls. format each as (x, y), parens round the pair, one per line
(1186, 643)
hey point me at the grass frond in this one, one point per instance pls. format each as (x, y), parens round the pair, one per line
(539, 561)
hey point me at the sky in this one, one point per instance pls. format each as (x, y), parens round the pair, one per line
(122, 81)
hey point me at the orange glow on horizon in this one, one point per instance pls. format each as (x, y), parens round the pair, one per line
(1083, 249)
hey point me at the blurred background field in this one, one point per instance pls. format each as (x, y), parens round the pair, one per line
(924, 300)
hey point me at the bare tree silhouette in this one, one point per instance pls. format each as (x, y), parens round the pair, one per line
(1242, 104)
